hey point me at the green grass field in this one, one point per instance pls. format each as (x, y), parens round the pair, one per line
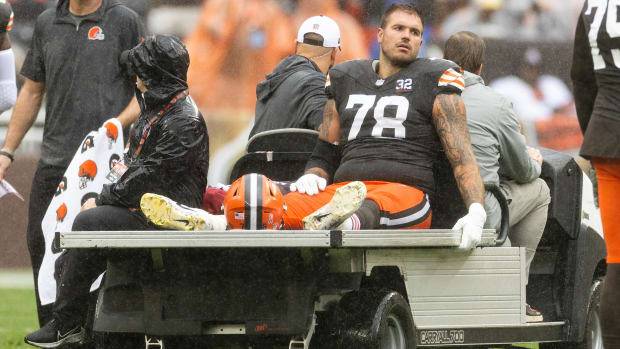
(17, 317)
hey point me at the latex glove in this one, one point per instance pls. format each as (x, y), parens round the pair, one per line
(471, 225)
(309, 184)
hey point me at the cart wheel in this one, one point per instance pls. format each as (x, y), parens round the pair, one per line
(593, 337)
(375, 319)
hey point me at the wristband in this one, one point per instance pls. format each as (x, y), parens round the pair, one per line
(8, 155)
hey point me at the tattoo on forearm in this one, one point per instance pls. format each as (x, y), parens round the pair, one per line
(330, 128)
(450, 122)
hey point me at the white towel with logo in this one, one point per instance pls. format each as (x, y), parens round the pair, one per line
(84, 179)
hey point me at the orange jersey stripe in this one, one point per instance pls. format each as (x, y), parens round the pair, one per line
(457, 81)
(449, 73)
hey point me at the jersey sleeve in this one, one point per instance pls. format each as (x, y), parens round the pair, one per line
(582, 75)
(445, 77)
(329, 89)
(336, 85)
(6, 17)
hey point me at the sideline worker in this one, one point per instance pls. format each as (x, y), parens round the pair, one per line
(293, 95)
(73, 61)
(500, 148)
(168, 154)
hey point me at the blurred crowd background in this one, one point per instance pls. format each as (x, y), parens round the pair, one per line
(234, 43)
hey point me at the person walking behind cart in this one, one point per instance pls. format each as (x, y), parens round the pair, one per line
(168, 154)
(500, 148)
(596, 81)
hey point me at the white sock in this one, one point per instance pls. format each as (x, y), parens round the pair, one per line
(213, 221)
(219, 222)
(351, 223)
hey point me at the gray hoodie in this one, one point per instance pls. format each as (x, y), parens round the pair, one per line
(293, 95)
(496, 139)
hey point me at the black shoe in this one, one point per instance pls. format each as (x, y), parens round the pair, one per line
(532, 315)
(54, 335)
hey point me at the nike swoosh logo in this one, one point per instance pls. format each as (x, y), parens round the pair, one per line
(70, 332)
(320, 217)
(182, 221)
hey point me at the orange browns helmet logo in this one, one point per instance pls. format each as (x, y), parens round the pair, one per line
(61, 212)
(96, 33)
(111, 131)
(87, 172)
(254, 202)
(88, 143)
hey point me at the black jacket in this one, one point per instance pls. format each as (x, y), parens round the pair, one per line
(293, 95)
(84, 83)
(174, 159)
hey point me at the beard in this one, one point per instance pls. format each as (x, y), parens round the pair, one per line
(397, 61)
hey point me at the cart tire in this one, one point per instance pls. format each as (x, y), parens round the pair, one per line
(375, 319)
(593, 338)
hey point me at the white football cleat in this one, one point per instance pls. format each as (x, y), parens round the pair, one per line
(343, 204)
(166, 213)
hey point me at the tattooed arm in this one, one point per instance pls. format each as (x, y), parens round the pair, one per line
(451, 125)
(329, 132)
(330, 128)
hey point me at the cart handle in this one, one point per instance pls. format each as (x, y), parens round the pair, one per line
(503, 205)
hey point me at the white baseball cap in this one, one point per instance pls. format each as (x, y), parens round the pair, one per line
(322, 25)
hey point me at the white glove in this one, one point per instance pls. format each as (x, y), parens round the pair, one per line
(471, 225)
(309, 184)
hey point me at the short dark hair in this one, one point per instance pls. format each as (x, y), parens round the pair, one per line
(401, 6)
(314, 39)
(465, 49)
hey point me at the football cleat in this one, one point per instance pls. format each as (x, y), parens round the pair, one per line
(166, 213)
(343, 204)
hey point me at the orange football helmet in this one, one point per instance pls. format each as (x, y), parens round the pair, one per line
(254, 202)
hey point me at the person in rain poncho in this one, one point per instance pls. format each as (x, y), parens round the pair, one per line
(168, 154)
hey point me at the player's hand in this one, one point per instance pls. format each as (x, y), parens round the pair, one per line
(90, 203)
(309, 184)
(471, 225)
(535, 154)
(5, 163)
